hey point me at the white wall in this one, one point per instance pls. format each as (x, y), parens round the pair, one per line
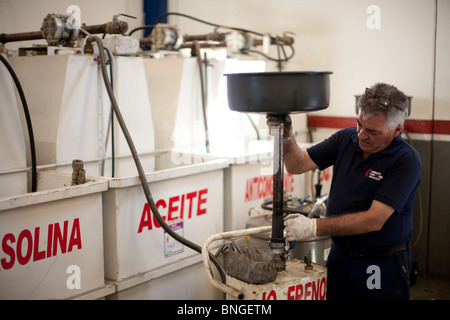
(334, 35)
(442, 107)
(329, 35)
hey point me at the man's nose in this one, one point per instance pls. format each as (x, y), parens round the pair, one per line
(362, 133)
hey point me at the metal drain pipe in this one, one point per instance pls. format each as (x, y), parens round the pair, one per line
(277, 240)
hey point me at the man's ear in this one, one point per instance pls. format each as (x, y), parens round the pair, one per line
(398, 130)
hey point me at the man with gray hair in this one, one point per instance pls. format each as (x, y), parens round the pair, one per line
(369, 209)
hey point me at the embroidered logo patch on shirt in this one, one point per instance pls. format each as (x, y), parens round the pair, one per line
(372, 174)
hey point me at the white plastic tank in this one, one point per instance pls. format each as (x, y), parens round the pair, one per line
(175, 92)
(51, 241)
(141, 258)
(71, 110)
(13, 155)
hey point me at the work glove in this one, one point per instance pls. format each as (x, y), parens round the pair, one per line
(273, 123)
(299, 227)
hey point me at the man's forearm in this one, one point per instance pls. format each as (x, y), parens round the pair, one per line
(296, 160)
(293, 156)
(355, 223)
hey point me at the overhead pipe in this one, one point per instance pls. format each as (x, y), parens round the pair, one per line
(54, 23)
(23, 36)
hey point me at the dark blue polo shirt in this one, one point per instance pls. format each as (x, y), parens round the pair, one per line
(391, 176)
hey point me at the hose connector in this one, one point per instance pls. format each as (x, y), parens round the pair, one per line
(88, 47)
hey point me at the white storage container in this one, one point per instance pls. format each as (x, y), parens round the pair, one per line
(137, 249)
(13, 154)
(70, 111)
(51, 241)
(174, 88)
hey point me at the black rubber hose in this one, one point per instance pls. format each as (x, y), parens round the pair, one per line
(246, 51)
(28, 120)
(141, 28)
(206, 22)
(138, 163)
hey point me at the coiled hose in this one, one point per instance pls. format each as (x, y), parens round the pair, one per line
(138, 163)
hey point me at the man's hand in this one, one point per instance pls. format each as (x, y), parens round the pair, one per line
(273, 123)
(299, 227)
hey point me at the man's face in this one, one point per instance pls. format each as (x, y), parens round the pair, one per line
(374, 136)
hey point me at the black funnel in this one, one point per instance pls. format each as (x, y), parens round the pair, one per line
(278, 93)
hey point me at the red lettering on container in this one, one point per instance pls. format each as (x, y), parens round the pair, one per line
(60, 238)
(159, 204)
(37, 255)
(179, 207)
(262, 187)
(271, 296)
(315, 290)
(25, 248)
(307, 290)
(21, 258)
(9, 250)
(49, 240)
(189, 197)
(172, 208)
(145, 219)
(75, 236)
(201, 200)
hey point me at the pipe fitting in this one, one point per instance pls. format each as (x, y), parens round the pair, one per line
(279, 255)
(78, 173)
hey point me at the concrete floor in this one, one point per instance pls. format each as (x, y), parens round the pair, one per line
(430, 289)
